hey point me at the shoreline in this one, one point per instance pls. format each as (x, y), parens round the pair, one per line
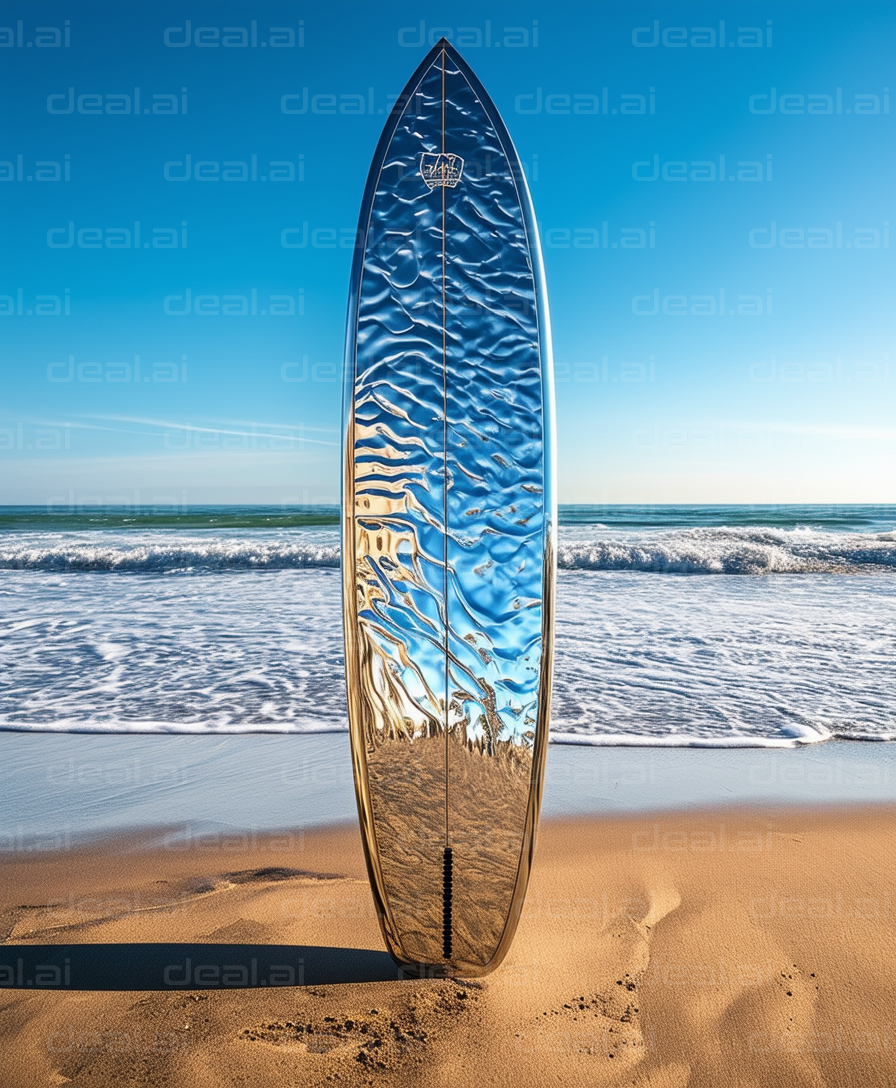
(578, 740)
(79, 786)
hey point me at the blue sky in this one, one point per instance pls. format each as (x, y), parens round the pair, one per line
(715, 340)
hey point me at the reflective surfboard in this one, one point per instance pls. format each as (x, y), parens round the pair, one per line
(448, 525)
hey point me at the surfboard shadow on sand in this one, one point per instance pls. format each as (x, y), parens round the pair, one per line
(172, 967)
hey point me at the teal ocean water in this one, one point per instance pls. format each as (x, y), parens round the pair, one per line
(676, 625)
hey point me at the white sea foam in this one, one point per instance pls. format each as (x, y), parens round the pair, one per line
(710, 662)
(808, 735)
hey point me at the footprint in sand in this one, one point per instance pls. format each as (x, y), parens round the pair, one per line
(376, 1039)
(777, 1022)
(661, 901)
(608, 1021)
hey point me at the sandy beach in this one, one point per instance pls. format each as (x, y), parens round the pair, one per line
(740, 946)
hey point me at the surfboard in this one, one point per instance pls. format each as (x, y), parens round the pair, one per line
(449, 525)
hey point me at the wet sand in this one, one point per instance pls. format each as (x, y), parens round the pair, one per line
(700, 948)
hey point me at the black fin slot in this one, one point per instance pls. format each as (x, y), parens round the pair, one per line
(447, 892)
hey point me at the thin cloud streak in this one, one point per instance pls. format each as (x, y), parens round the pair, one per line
(170, 425)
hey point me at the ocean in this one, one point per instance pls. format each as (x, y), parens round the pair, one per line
(711, 626)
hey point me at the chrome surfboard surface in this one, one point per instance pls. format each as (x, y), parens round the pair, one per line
(448, 524)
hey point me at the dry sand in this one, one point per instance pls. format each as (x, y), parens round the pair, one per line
(724, 949)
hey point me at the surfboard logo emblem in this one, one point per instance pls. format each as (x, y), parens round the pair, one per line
(441, 171)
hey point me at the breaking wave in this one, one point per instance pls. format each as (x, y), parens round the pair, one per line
(742, 550)
(734, 551)
(163, 555)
